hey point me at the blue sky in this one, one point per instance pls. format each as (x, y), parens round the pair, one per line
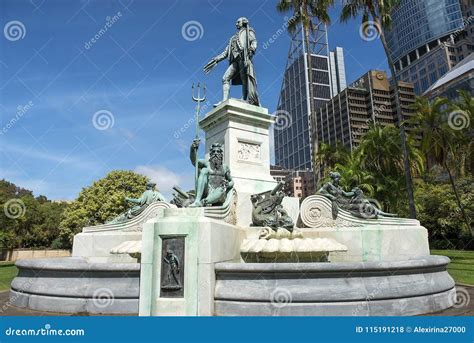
(137, 74)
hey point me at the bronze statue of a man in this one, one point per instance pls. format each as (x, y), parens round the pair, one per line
(240, 51)
(214, 180)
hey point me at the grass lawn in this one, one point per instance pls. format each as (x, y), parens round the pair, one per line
(7, 272)
(461, 267)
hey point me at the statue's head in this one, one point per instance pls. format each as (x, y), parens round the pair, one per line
(216, 156)
(150, 185)
(335, 176)
(241, 22)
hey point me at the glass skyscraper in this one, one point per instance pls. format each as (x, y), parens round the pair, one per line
(419, 40)
(293, 134)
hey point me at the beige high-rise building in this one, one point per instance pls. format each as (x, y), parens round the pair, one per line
(370, 99)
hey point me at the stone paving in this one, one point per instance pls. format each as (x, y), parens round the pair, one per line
(467, 310)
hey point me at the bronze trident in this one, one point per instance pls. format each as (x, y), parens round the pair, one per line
(198, 99)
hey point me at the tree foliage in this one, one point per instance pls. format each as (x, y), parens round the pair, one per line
(440, 214)
(102, 201)
(26, 221)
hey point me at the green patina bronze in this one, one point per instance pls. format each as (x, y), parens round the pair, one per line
(354, 201)
(148, 197)
(214, 181)
(268, 210)
(240, 51)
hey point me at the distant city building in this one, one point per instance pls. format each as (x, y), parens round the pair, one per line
(461, 77)
(462, 44)
(422, 40)
(338, 70)
(279, 173)
(370, 99)
(293, 145)
(299, 183)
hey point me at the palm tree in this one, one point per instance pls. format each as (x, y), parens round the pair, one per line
(382, 157)
(463, 108)
(379, 11)
(328, 155)
(440, 142)
(428, 120)
(303, 12)
(352, 175)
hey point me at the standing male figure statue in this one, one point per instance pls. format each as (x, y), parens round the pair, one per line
(240, 51)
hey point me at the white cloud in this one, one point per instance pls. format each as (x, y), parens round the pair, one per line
(165, 179)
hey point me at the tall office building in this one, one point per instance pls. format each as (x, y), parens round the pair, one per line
(421, 39)
(293, 131)
(463, 44)
(347, 116)
(338, 70)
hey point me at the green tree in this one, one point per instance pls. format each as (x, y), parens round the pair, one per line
(26, 221)
(442, 142)
(461, 118)
(381, 155)
(102, 201)
(439, 212)
(352, 175)
(379, 12)
(303, 12)
(429, 119)
(328, 155)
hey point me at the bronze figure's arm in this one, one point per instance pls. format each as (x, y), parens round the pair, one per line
(213, 62)
(193, 154)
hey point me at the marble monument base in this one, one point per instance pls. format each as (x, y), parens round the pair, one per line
(396, 288)
(198, 242)
(75, 285)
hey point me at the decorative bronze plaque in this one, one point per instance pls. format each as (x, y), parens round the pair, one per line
(172, 267)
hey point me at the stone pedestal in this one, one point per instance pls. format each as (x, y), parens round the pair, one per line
(242, 129)
(199, 242)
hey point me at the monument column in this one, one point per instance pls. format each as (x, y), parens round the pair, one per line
(243, 130)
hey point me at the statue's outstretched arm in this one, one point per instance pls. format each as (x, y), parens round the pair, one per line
(348, 194)
(133, 200)
(222, 56)
(193, 154)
